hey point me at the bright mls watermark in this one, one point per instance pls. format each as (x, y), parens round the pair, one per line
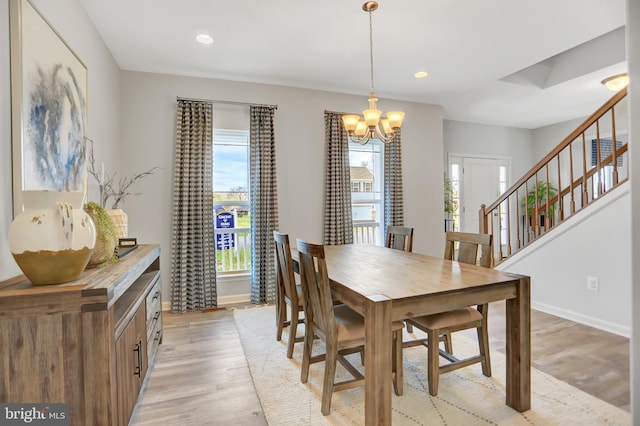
(34, 414)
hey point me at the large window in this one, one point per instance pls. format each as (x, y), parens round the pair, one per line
(366, 191)
(231, 200)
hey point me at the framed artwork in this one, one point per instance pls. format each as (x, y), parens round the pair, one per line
(48, 106)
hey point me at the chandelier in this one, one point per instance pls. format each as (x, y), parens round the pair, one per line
(372, 126)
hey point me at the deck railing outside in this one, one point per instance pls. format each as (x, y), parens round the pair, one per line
(365, 232)
(233, 250)
(591, 161)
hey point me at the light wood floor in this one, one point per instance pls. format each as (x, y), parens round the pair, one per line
(201, 377)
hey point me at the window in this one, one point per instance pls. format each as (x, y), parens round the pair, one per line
(452, 186)
(366, 192)
(231, 200)
(604, 176)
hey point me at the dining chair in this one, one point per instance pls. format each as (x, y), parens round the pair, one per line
(399, 237)
(289, 293)
(463, 247)
(338, 326)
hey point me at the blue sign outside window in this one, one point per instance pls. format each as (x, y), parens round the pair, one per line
(225, 220)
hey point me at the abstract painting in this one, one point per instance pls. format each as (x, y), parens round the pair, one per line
(49, 106)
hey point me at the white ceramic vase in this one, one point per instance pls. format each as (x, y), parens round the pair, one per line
(52, 239)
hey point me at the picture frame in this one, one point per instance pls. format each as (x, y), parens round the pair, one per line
(48, 106)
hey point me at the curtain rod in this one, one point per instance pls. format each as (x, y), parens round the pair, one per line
(215, 101)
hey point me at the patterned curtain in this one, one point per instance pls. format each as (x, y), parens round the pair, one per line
(393, 197)
(264, 203)
(193, 258)
(338, 222)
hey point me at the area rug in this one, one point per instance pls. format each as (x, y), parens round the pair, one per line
(465, 396)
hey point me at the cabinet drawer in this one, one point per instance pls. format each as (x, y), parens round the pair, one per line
(154, 339)
(154, 296)
(154, 319)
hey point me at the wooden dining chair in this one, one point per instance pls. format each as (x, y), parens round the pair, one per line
(338, 326)
(463, 247)
(289, 293)
(399, 237)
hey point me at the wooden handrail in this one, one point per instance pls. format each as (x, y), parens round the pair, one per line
(545, 205)
(577, 132)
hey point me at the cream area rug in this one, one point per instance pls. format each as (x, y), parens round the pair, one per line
(465, 396)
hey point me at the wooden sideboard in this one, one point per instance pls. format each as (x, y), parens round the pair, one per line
(88, 343)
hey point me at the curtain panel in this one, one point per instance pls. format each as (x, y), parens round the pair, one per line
(193, 256)
(338, 221)
(264, 202)
(393, 195)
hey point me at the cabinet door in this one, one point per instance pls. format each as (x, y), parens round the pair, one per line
(131, 364)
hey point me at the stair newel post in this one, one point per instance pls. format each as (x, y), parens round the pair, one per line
(482, 216)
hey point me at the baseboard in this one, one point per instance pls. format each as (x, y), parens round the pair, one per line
(582, 319)
(222, 300)
(233, 298)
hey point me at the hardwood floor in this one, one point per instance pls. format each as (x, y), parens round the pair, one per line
(201, 376)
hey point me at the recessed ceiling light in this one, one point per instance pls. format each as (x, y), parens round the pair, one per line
(204, 38)
(421, 74)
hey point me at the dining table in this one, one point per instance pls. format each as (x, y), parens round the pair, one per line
(386, 285)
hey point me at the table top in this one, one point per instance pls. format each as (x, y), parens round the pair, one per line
(374, 270)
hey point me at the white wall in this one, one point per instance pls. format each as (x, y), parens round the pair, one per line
(480, 139)
(595, 242)
(633, 58)
(103, 122)
(547, 138)
(148, 120)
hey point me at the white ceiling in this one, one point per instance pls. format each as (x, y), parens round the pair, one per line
(467, 46)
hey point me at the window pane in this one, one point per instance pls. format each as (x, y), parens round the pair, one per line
(231, 201)
(366, 192)
(230, 165)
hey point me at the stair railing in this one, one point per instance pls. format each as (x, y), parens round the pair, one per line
(588, 163)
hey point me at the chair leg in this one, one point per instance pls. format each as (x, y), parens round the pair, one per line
(306, 353)
(483, 342)
(409, 327)
(398, 377)
(433, 361)
(293, 329)
(448, 343)
(279, 320)
(329, 379)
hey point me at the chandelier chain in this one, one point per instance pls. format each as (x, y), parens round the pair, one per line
(371, 47)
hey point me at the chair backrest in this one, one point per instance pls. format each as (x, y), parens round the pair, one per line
(284, 266)
(399, 237)
(467, 248)
(316, 290)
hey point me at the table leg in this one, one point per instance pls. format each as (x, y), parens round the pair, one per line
(518, 317)
(377, 367)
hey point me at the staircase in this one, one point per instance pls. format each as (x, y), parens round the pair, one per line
(586, 166)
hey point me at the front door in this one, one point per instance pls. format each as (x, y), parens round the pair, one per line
(480, 185)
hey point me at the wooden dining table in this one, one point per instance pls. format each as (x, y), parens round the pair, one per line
(386, 285)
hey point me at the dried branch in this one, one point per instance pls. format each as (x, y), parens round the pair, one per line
(109, 189)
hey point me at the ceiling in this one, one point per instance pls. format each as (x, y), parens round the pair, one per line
(563, 48)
